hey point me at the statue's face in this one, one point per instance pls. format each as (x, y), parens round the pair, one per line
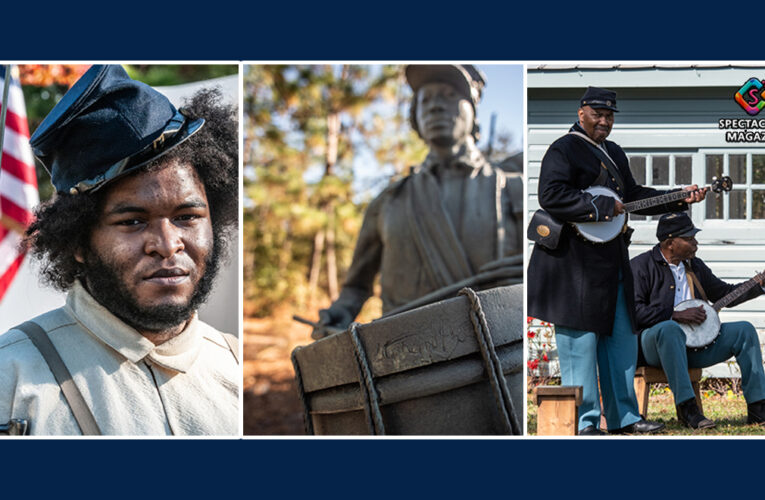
(444, 117)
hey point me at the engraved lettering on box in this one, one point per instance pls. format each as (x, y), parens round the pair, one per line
(420, 347)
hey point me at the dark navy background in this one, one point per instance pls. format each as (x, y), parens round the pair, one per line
(472, 469)
(391, 30)
(396, 31)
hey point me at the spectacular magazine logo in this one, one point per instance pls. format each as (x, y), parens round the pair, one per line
(751, 98)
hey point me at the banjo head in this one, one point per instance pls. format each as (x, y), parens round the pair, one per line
(703, 335)
(602, 231)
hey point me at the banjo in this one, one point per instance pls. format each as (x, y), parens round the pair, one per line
(605, 231)
(701, 336)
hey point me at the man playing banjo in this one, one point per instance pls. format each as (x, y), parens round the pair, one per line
(584, 287)
(670, 274)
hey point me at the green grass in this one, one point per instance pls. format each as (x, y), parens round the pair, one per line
(727, 410)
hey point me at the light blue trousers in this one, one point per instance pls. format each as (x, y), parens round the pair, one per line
(585, 355)
(664, 347)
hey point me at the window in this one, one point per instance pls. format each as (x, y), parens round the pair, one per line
(662, 171)
(737, 216)
(747, 199)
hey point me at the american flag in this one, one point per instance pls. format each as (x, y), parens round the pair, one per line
(18, 181)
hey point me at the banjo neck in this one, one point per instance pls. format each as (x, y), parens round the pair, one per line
(633, 206)
(738, 292)
(719, 185)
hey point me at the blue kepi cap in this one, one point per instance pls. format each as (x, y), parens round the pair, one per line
(105, 126)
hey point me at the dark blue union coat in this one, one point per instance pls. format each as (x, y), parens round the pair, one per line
(576, 284)
(655, 289)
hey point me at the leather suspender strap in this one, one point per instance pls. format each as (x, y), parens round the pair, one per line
(605, 159)
(694, 282)
(79, 407)
(233, 345)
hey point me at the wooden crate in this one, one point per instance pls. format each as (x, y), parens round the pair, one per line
(558, 413)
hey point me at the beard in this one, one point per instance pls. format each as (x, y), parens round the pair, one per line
(102, 280)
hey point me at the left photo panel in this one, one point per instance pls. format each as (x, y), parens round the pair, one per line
(119, 251)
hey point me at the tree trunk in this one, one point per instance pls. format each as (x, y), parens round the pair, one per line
(313, 279)
(333, 136)
(333, 139)
(332, 286)
(285, 255)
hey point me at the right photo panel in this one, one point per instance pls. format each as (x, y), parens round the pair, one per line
(646, 210)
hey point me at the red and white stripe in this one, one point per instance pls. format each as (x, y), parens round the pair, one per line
(18, 181)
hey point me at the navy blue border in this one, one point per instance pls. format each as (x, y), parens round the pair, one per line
(514, 468)
(391, 30)
(342, 30)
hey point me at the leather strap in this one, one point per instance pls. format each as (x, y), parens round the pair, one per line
(233, 345)
(694, 282)
(79, 407)
(605, 159)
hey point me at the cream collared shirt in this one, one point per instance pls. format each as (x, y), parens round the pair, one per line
(188, 385)
(682, 286)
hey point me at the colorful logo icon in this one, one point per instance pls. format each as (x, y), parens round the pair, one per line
(751, 96)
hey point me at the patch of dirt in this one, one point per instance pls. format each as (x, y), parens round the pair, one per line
(271, 402)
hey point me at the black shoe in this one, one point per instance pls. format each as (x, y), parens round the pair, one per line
(639, 427)
(591, 430)
(689, 415)
(756, 412)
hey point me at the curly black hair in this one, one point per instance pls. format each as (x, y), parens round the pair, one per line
(63, 225)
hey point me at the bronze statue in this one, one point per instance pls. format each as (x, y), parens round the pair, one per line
(455, 221)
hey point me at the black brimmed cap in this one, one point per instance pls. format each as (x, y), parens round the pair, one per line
(595, 97)
(675, 225)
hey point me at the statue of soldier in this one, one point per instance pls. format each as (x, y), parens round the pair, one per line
(456, 219)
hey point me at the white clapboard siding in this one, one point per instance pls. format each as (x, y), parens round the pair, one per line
(660, 116)
(647, 136)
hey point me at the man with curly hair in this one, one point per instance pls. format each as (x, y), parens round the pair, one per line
(145, 207)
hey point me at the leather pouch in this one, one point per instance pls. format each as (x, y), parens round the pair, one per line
(544, 229)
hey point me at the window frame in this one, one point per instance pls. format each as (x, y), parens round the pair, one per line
(725, 230)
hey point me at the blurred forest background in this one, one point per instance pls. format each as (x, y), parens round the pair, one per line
(320, 141)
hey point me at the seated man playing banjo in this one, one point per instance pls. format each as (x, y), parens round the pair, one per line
(680, 331)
